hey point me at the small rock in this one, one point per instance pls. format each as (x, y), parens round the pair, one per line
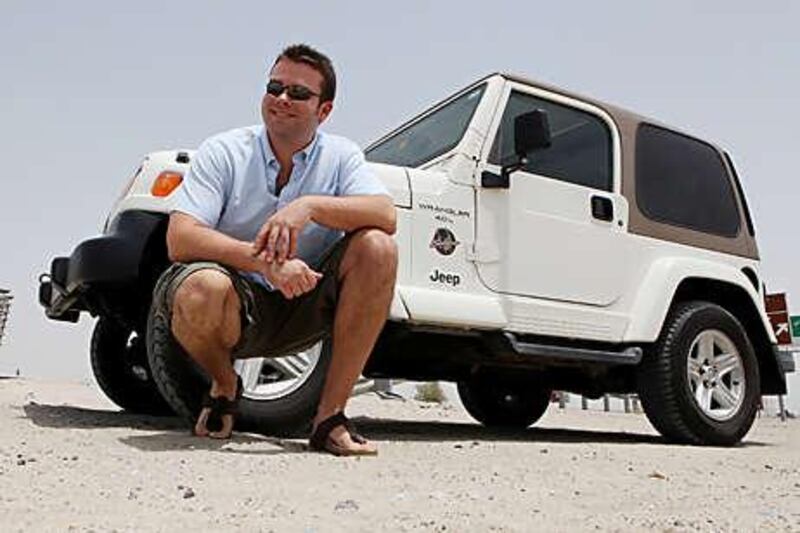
(544, 450)
(74, 457)
(188, 493)
(346, 505)
(768, 467)
(656, 475)
(21, 462)
(458, 446)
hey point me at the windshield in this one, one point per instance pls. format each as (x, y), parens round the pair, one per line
(430, 137)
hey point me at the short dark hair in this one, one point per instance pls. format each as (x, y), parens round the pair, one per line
(303, 53)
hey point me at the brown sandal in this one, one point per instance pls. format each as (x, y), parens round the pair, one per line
(320, 440)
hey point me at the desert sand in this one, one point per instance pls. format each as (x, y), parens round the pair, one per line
(71, 461)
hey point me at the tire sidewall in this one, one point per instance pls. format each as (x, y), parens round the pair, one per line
(704, 318)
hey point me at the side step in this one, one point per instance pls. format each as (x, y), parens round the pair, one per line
(628, 356)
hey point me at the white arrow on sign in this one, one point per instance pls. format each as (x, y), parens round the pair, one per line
(783, 327)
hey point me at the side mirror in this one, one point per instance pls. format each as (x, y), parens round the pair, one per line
(531, 133)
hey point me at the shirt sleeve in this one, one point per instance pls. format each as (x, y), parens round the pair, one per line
(356, 177)
(202, 194)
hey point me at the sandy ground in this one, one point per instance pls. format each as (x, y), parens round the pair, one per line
(69, 461)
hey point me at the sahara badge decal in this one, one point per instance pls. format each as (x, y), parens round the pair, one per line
(444, 241)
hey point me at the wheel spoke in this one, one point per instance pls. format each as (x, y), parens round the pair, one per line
(725, 397)
(726, 363)
(694, 369)
(250, 370)
(703, 397)
(705, 348)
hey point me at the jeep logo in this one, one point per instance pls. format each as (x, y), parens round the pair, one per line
(453, 280)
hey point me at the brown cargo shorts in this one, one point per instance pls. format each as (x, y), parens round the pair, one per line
(272, 325)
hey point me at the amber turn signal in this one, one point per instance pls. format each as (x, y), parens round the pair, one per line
(165, 183)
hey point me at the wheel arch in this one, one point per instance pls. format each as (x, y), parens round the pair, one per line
(685, 279)
(736, 300)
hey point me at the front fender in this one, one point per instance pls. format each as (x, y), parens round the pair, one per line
(117, 256)
(664, 277)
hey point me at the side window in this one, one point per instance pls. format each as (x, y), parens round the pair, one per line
(683, 181)
(581, 149)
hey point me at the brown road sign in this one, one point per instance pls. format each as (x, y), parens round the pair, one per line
(778, 313)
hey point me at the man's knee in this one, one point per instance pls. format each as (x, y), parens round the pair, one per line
(373, 250)
(203, 301)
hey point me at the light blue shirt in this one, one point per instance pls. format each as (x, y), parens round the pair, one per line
(231, 185)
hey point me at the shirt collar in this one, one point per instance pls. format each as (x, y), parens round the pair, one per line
(299, 157)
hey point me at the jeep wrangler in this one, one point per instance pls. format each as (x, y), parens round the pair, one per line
(547, 241)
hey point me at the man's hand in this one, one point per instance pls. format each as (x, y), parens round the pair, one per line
(293, 277)
(277, 239)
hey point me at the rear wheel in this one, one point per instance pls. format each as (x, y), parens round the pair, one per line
(119, 363)
(504, 400)
(280, 394)
(700, 384)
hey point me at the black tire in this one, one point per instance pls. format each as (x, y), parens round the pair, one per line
(512, 401)
(119, 362)
(665, 388)
(183, 383)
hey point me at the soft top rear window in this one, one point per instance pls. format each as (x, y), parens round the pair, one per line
(684, 182)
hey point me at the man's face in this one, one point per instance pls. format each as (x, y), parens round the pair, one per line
(294, 121)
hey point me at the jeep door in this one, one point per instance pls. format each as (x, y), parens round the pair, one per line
(559, 230)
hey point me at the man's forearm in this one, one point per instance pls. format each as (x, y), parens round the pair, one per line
(188, 241)
(350, 213)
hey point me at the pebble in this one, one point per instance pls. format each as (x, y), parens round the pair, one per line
(188, 493)
(346, 505)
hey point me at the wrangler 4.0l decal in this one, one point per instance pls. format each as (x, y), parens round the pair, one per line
(446, 210)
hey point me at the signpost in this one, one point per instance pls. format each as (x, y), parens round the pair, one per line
(5, 304)
(778, 313)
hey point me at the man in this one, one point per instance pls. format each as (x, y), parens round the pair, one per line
(263, 268)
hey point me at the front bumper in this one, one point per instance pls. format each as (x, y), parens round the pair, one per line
(104, 270)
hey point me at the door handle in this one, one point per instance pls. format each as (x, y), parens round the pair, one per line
(602, 208)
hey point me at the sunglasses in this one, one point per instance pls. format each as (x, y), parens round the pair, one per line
(295, 92)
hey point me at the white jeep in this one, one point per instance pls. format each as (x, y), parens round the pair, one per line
(547, 242)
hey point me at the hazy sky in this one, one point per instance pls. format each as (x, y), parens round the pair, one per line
(88, 88)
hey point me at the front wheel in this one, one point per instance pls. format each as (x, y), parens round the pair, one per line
(280, 394)
(119, 364)
(504, 400)
(700, 383)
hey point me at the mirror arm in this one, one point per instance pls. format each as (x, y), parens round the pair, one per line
(507, 170)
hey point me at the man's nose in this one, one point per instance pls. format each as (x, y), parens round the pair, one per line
(284, 98)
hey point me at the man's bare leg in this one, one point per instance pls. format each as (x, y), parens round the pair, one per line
(367, 274)
(205, 321)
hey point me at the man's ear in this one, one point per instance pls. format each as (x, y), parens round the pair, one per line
(324, 110)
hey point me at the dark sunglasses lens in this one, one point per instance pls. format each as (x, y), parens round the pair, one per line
(298, 92)
(275, 88)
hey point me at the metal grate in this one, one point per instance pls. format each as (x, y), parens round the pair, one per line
(5, 307)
